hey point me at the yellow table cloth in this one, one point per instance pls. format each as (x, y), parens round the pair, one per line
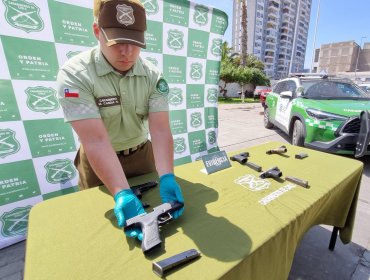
(244, 227)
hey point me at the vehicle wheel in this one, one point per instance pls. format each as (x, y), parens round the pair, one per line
(298, 134)
(266, 119)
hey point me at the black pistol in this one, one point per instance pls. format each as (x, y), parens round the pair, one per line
(273, 172)
(139, 189)
(280, 150)
(242, 158)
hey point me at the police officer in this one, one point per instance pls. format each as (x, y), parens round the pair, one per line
(112, 97)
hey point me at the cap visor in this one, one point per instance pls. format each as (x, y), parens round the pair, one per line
(123, 36)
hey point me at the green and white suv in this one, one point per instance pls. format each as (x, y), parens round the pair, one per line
(321, 112)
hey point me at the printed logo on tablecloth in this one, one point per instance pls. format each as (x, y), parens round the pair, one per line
(48, 137)
(18, 181)
(197, 43)
(175, 39)
(200, 16)
(23, 15)
(195, 96)
(252, 183)
(42, 99)
(8, 143)
(8, 106)
(151, 6)
(176, 13)
(15, 222)
(60, 171)
(212, 95)
(175, 97)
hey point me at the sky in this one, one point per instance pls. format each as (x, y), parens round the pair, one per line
(338, 21)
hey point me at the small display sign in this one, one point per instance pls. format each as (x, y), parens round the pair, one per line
(216, 161)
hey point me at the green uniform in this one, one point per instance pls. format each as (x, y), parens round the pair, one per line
(89, 87)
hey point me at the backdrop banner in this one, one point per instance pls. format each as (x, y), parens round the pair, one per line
(37, 147)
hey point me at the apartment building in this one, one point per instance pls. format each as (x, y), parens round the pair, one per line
(277, 33)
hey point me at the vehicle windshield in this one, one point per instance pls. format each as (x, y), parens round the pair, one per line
(329, 89)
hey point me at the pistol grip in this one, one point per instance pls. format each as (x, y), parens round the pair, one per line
(150, 235)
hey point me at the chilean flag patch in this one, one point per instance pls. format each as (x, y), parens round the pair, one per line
(71, 93)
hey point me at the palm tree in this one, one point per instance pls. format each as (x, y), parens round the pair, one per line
(244, 33)
(244, 40)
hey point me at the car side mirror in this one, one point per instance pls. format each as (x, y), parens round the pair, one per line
(286, 94)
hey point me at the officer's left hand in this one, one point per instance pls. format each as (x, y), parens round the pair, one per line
(170, 191)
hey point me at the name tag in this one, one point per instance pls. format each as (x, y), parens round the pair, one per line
(216, 161)
(108, 101)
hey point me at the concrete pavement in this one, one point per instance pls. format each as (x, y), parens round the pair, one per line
(241, 126)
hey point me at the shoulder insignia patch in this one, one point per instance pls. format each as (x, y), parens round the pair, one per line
(162, 86)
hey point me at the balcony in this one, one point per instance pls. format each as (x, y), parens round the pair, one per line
(270, 54)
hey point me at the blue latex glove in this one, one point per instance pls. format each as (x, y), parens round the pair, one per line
(128, 206)
(170, 191)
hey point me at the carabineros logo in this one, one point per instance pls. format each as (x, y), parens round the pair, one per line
(42, 99)
(200, 15)
(211, 137)
(212, 95)
(179, 145)
(23, 15)
(8, 143)
(152, 60)
(151, 6)
(175, 39)
(71, 54)
(196, 72)
(162, 86)
(216, 47)
(15, 222)
(175, 98)
(60, 171)
(196, 119)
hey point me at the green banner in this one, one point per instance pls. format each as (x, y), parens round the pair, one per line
(37, 147)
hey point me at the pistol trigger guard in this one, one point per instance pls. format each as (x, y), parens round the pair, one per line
(164, 219)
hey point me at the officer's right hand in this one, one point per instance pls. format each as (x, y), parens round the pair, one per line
(128, 206)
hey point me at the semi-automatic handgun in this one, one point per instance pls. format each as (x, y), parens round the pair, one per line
(139, 189)
(150, 222)
(273, 172)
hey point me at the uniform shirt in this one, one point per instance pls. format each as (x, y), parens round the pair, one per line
(89, 87)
